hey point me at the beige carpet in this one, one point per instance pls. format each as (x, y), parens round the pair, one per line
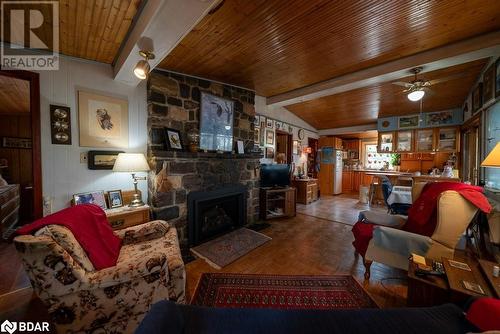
(228, 248)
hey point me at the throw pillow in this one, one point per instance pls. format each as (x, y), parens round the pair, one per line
(484, 313)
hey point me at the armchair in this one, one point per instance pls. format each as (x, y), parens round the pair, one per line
(392, 246)
(82, 299)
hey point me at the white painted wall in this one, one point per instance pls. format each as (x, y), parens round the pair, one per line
(283, 115)
(62, 173)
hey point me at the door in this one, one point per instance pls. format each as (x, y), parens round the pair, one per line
(470, 156)
(311, 158)
(283, 147)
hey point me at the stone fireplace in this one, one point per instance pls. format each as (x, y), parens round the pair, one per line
(178, 176)
(212, 213)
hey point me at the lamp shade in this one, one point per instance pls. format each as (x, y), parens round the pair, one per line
(131, 162)
(493, 159)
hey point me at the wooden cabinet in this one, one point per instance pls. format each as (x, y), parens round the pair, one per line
(386, 142)
(307, 190)
(277, 203)
(347, 181)
(356, 181)
(125, 216)
(405, 141)
(447, 139)
(441, 139)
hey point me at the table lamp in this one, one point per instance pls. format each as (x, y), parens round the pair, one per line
(493, 159)
(132, 163)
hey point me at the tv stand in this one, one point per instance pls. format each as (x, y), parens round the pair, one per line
(277, 202)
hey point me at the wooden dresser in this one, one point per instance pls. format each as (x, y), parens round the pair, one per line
(307, 190)
(125, 216)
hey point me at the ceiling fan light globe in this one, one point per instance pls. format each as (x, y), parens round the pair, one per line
(141, 70)
(416, 95)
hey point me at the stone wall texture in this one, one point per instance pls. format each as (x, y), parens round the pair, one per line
(174, 102)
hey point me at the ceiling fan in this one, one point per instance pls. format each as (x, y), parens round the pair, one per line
(417, 88)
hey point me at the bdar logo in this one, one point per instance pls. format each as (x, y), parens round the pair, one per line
(8, 327)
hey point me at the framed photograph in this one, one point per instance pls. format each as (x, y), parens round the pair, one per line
(115, 199)
(269, 123)
(439, 118)
(408, 122)
(103, 120)
(477, 98)
(295, 147)
(216, 125)
(489, 84)
(270, 137)
(256, 136)
(240, 146)
(102, 159)
(60, 125)
(473, 287)
(256, 121)
(290, 129)
(93, 197)
(262, 139)
(269, 152)
(174, 141)
(12, 142)
(497, 78)
(262, 122)
(277, 125)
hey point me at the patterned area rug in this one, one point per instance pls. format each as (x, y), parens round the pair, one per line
(231, 246)
(281, 292)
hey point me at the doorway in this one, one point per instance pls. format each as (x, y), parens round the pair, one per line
(283, 147)
(470, 151)
(312, 170)
(20, 151)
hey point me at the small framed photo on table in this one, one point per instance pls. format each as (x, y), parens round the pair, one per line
(115, 199)
(93, 197)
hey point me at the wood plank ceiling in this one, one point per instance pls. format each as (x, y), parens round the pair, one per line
(280, 45)
(365, 105)
(14, 96)
(94, 29)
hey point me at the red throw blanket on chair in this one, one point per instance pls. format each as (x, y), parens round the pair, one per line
(91, 228)
(422, 216)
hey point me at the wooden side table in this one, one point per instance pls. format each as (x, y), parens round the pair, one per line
(426, 290)
(456, 277)
(126, 216)
(307, 190)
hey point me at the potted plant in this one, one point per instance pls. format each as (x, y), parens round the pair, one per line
(396, 161)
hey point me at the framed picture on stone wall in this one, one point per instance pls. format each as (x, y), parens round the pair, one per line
(103, 120)
(174, 141)
(270, 137)
(216, 124)
(269, 123)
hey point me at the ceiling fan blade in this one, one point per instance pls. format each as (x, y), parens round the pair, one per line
(428, 91)
(401, 83)
(448, 78)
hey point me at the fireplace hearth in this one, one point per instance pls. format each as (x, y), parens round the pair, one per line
(213, 213)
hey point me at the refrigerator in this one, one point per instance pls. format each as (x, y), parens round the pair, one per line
(331, 156)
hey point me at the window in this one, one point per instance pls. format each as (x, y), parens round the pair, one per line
(492, 175)
(373, 159)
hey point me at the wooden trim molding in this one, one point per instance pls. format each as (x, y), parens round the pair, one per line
(34, 80)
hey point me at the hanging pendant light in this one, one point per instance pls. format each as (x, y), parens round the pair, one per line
(416, 94)
(142, 68)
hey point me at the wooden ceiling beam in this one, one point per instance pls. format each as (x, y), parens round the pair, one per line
(465, 51)
(160, 26)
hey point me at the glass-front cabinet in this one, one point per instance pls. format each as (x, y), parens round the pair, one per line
(447, 140)
(425, 140)
(404, 141)
(386, 142)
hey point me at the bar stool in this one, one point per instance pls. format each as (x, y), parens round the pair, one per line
(374, 185)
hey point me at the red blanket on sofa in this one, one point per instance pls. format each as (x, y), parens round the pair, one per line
(422, 216)
(91, 228)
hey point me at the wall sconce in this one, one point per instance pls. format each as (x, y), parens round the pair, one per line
(308, 150)
(141, 70)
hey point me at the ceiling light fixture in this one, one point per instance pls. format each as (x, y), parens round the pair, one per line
(416, 94)
(141, 69)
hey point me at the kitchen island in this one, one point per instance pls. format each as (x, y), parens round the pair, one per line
(353, 179)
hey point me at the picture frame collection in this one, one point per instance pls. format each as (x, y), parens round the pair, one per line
(265, 134)
(111, 199)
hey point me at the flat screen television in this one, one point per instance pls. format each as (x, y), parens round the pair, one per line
(274, 175)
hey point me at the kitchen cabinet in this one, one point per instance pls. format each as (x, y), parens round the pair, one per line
(386, 142)
(425, 140)
(447, 139)
(356, 181)
(347, 184)
(405, 141)
(307, 190)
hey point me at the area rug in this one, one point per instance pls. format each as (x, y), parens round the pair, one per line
(281, 292)
(231, 246)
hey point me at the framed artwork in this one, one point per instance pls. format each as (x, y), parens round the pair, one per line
(60, 125)
(93, 197)
(240, 147)
(102, 159)
(477, 98)
(13, 142)
(277, 125)
(173, 138)
(103, 120)
(408, 122)
(256, 121)
(489, 84)
(269, 152)
(216, 124)
(262, 139)
(115, 199)
(270, 137)
(439, 118)
(269, 123)
(497, 78)
(290, 129)
(295, 147)
(256, 136)
(262, 122)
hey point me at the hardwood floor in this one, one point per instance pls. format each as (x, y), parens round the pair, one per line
(303, 245)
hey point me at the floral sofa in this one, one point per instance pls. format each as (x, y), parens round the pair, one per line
(112, 300)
